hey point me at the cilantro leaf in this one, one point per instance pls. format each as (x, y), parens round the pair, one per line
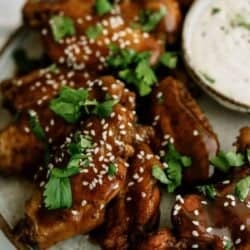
(62, 26)
(248, 155)
(228, 245)
(112, 169)
(215, 11)
(133, 68)
(94, 31)
(242, 188)
(70, 102)
(160, 175)
(208, 190)
(146, 77)
(149, 19)
(66, 172)
(105, 108)
(58, 193)
(35, 126)
(224, 161)
(172, 175)
(169, 59)
(103, 7)
(240, 21)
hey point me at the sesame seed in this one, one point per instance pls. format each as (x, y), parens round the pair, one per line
(195, 233)
(242, 227)
(238, 241)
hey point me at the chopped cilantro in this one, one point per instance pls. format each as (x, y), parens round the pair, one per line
(169, 59)
(62, 26)
(35, 126)
(248, 155)
(228, 245)
(215, 11)
(240, 21)
(53, 69)
(70, 103)
(73, 103)
(160, 175)
(242, 188)
(208, 78)
(224, 161)
(208, 190)
(150, 19)
(103, 7)
(57, 191)
(105, 108)
(172, 175)
(94, 31)
(133, 68)
(112, 169)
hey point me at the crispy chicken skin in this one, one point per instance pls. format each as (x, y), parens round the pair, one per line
(175, 114)
(135, 211)
(20, 151)
(80, 52)
(224, 218)
(161, 240)
(92, 189)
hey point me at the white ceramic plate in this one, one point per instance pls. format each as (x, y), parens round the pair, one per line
(14, 192)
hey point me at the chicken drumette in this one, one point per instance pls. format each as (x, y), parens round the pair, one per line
(136, 209)
(81, 50)
(20, 150)
(219, 222)
(177, 117)
(92, 189)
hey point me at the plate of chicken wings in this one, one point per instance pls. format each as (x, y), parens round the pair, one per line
(106, 143)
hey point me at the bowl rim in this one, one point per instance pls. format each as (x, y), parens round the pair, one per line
(210, 89)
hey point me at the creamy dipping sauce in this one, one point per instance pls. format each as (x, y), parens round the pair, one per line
(217, 46)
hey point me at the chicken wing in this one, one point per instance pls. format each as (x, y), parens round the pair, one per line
(224, 220)
(20, 150)
(83, 52)
(92, 189)
(176, 115)
(135, 211)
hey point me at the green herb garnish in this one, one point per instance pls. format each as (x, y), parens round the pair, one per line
(105, 108)
(169, 59)
(103, 7)
(208, 78)
(35, 126)
(228, 245)
(215, 10)
(242, 188)
(224, 161)
(208, 190)
(160, 175)
(94, 31)
(240, 21)
(150, 19)
(172, 175)
(62, 26)
(58, 193)
(133, 68)
(112, 169)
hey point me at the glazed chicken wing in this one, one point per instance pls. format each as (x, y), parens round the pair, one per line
(176, 115)
(81, 50)
(20, 150)
(92, 189)
(135, 211)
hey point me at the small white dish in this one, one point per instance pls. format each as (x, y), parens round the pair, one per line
(216, 48)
